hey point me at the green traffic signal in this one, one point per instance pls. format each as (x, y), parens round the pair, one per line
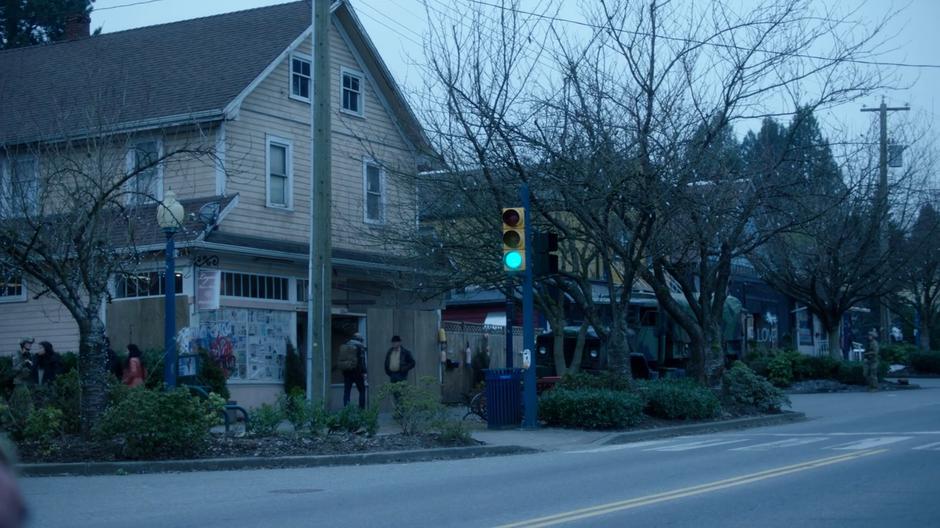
(512, 260)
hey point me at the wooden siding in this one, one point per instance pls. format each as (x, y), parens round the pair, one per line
(269, 110)
(43, 319)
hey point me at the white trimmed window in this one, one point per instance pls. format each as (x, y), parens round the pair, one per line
(300, 82)
(373, 177)
(146, 181)
(254, 286)
(145, 284)
(350, 90)
(279, 172)
(19, 185)
(12, 285)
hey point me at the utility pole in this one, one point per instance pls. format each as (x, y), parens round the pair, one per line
(320, 284)
(882, 208)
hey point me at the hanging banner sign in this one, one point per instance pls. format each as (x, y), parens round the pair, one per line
(208, 284)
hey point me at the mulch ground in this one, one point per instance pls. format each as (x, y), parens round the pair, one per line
(74, 449)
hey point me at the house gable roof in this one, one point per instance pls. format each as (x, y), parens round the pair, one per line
(181, 72)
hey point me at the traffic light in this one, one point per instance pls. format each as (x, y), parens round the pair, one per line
(544, 258)
(514, 239)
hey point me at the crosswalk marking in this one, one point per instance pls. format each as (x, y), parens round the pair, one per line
(929, 447)
(790, 442)
(869, 443)
(618, 447)
(696, 445)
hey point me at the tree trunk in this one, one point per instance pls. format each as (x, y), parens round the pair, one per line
(835, 342)
(925, 333)
(579, 348)
(92, 359)
(713, 365)
(618, 349)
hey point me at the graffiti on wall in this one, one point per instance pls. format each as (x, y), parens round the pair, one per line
(249, 344)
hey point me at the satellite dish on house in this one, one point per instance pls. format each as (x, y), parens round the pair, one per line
(209, 213)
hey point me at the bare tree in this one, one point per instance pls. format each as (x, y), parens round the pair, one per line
(71, 220)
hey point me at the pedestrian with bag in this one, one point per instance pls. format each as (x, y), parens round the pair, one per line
(398, 361)
(352, 362)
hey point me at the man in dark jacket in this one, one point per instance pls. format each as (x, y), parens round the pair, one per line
(398, 361)
(356, 375)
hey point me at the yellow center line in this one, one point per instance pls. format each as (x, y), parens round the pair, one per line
(646, 500)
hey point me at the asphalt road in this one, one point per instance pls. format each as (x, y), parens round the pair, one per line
(862, 460)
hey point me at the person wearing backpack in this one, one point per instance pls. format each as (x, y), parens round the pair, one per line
(352, 361)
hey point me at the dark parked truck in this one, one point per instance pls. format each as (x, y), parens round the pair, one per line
(657, 344)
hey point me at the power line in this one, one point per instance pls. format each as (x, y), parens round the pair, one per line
(125, 5)
(682, 39)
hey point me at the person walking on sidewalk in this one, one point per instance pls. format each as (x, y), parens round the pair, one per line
(135, 374)
(352, 361)
(398, 361)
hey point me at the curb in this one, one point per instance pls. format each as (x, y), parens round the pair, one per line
(708, 427)
(229, 464)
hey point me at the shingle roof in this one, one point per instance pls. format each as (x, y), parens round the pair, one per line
(189, 68)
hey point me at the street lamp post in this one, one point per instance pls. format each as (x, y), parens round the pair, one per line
(170, 218)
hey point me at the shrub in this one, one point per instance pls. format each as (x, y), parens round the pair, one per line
(352, 419)
(745, 390)
(680, 400)
(760, 365)
(820, 367)
(20, 407)
(152, 359)
(897, 354)
(416, 408)
(212, 376)
(150, 424)
(454, 432)
(6, 376)
(590, 408)
(305, 416)
(780, 370)
(851, 373)
(68, 362)
(265, 420)
(44, 425)
(926, 362)
(601, 380)
(66, 397)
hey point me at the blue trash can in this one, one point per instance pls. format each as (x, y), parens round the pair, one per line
(503, 398)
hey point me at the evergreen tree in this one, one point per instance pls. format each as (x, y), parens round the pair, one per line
(29, 22)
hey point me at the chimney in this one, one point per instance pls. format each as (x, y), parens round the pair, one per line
(77, 26)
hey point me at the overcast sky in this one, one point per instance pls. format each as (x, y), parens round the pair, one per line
(397, 27)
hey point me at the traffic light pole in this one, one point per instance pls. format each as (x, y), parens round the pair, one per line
(510, 317)
(530, 419)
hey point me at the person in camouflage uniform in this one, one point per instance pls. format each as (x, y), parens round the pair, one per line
(870, 364)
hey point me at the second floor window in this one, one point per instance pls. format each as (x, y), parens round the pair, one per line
(300, 77)
(19, 185)
(146, 181)
(279, 173)
(375, 192)
(351, 90)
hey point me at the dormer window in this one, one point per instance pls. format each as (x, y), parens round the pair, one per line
(300, 77)
(351, 91)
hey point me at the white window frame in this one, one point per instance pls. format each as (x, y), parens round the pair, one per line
(290, 76)
(22, 297)
(130, 161)
(289, 167)
(366, 163)
(6, 184)
(248, 297)
(343, 72)
(161, 285)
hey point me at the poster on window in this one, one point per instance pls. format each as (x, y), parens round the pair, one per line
(207, 289)
(249, 344)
